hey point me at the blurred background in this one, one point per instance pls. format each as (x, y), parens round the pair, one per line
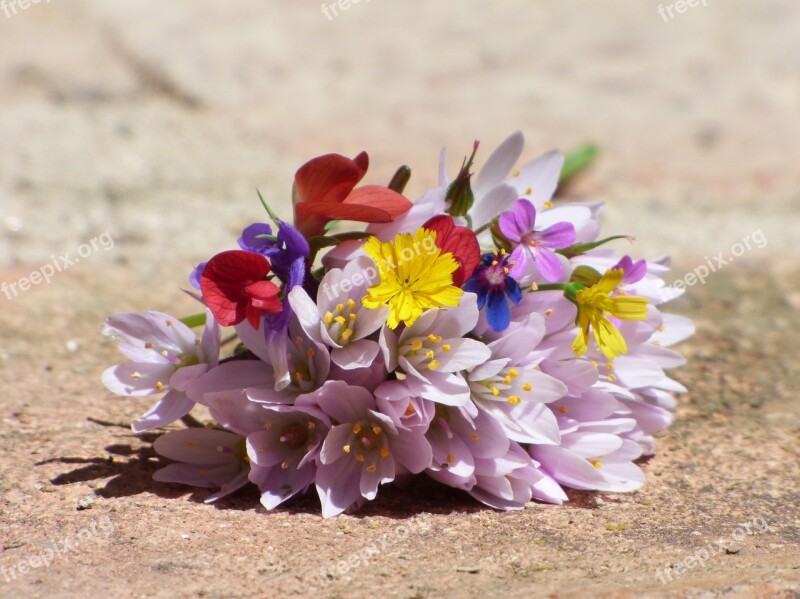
(156, 121)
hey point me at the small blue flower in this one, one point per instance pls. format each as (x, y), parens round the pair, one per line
(494, 287)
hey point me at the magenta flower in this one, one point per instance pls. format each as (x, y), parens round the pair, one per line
(518, 226)
(364, 450)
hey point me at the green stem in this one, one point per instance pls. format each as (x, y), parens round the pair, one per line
(195, 320)
(272, 215)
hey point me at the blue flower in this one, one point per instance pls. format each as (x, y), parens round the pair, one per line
(495, 288)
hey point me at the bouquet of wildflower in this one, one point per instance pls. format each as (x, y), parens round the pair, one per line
(482, 335)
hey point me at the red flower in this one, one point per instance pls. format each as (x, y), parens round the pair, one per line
(235, 287)
(459, 241)
(324, 190)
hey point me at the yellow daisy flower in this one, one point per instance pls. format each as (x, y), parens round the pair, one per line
(414, 276)
(594, 303)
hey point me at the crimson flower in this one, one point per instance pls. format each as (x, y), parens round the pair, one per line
(461, 242)
(324, 190)
(235, 287)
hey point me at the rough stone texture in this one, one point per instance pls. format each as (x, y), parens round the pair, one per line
(155, 121)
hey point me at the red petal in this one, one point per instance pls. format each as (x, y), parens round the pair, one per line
(379, 197)
(224, 280)
(329, 178)
(459, 241)
(325, 212)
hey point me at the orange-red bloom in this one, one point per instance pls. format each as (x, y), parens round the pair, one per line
(324, 190)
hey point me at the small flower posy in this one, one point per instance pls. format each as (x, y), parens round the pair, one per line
(483, 335)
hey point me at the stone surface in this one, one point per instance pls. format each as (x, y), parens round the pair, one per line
(155, 122)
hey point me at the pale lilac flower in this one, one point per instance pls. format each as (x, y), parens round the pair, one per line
(459, 441)
(434, 351)
(513, 390)
(362, 451)
(338, 319)
(165, 356)
(283, 454)
(511, 481)
(519, 226)
(207, 458)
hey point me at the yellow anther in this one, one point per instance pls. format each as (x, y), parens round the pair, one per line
(562, 409)
(548, 312)
(350, 303)
(446, 347)
(298, 340)
(284, 465)
(502, 251)
(434, 338)
(148, 345)
(356, 428)
(360, 457)
(451, 458)
(310, 352)
(514, 400)
(528, 191)
(548, 204)
(136, 375)
(610, 366)
(513, 373)
(534, 286)
(160, 386)
(409, 410)
(416, 344)
(165, 353)
(505, 269)
(516, 172)
(298, 376)
(527, 386)
(371, 468)
(596, 463)
(507, 380)
(494, 262)
(495, 391)
(346, 334)
(311, 426)
(611, 378)
(384, 452)
(377, 430)
(430, 355)
(340, 320)
(352, 317)
(594, 363)
(346, 449)
(339, 307)
(328, 318)
(433, 365)
(474, 437)
(662, 328)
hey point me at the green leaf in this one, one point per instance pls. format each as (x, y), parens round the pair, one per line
(578, 161)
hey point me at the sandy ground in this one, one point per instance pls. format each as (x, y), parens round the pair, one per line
(154, 122)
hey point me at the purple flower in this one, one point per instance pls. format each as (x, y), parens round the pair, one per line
(494, 284)
(207, 458)
(518, 226)
(364, 450)
(634, 271)
(165, 356)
